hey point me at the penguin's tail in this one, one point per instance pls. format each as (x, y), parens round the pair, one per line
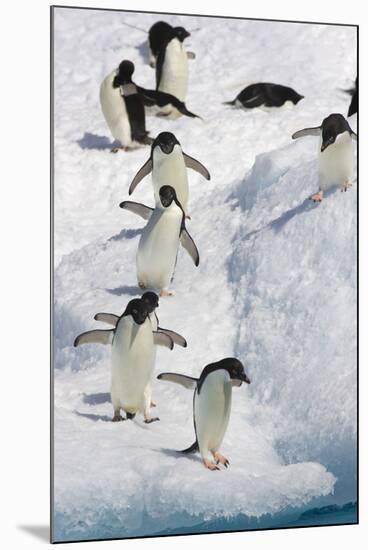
(229, 102)
(192, 449)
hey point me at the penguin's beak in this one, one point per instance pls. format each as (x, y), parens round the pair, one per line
(325, 144)
(244, 378)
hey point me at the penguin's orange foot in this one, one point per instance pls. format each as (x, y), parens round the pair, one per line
(150, 420)
(164, 292)
(118, 418)
(141, 285)
(114, 150)
(210, 465)
(317, 197)
(221, 459)
(153, 404)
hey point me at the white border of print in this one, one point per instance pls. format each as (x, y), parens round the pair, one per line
(24, 134)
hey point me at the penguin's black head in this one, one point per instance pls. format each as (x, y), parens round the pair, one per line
(180, 33)
(166, 141)
(167, 195)
(151, 300)
(332, 126)
(295, 97)
(235, 369)
(138, 310)
(125, 72)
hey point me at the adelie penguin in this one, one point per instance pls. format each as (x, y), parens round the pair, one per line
(150, 299)
(265, 94)
(168, 164)
(158, 35)
(336, 159)
(211, 406)
(159, 243)
(132, 359)
(172, 65)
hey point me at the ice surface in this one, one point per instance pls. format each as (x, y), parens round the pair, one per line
(276, 285)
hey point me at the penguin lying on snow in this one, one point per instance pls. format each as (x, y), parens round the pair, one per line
(159, 243)
(151, 300)
(172, 65)
(336, 160)
(266, 95)
(132, 359)
(158, 35)
(123, 108)
(211, 405)
(168, 163)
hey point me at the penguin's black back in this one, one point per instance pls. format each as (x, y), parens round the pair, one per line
(158, 35)
(267, 94)
(136, 114)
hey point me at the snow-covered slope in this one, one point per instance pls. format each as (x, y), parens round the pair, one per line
(276, 285)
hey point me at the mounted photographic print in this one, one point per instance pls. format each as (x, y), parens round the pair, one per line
(204, 344)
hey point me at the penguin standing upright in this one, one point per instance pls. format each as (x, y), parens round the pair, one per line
(158, 35)
(336, 159)
(172, 65)
(159, 243)
(123, 108)
(211, 405)
(168, 163)
(132, 359)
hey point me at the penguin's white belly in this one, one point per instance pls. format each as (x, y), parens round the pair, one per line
(132, 363)
(212, 411)
(158, 248)
(174, 77)
(336, 163)
(114, 111)
(171, 170)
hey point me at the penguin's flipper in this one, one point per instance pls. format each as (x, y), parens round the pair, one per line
(307, 132)
(108, 318)
(162, 339)
(137, 208)
(142, 173)
(189, 245)
(177, 338)
(185, 381)
(95, 337)
(255, 101)
(194, 164)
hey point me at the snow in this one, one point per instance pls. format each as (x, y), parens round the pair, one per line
(276, 285)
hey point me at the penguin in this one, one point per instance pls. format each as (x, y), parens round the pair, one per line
(159, 242)
(266, 95)
(336, 160)
(132, 359)
(123, 108)
(172, 65)
(211, 406)
(353, 107)
(158, 35)
(161, 104)
(168, 163)
(152, 302)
